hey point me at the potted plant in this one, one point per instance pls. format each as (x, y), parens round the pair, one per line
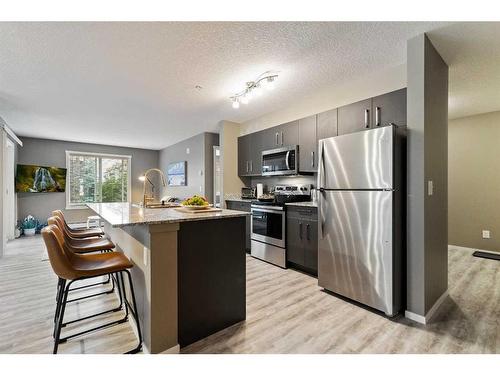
(29, 225)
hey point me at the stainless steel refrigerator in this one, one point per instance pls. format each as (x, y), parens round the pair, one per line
(361, 216)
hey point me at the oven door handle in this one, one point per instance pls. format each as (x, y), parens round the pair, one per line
(275, 211)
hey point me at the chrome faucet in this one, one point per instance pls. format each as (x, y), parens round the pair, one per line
(145, 198)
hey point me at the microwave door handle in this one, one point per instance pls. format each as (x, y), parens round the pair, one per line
(287, 157)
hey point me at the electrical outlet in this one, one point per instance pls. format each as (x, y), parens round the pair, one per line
(188, 150)
(145, 256)
(430, 187)
(486, 234)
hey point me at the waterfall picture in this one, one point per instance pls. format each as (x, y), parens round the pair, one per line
(39, 179)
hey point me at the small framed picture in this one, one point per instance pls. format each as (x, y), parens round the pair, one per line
(176, 174)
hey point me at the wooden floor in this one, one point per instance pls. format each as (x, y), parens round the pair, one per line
(286, 313)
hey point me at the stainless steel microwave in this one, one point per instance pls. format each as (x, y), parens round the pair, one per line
(280, 161)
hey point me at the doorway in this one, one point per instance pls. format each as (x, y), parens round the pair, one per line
(217, 176)
(9, 199)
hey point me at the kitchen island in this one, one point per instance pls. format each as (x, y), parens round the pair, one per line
(189, 269)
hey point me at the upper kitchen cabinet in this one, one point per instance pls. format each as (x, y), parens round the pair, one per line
(244, 155)
(268, 138)
(389, 108)
(249, 155)
(354, 117)
(327, 124)
(308, 144)
(287, 134)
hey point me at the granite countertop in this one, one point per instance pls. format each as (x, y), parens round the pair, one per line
(303, 204)
(125, 214)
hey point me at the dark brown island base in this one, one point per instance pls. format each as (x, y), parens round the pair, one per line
(189, 270)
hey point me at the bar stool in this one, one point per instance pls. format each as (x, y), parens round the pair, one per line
(70, 267)
(78, 233)
(83, 246)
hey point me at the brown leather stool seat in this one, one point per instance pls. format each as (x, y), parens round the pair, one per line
(81, 245)
(70, 266)
(78, 233)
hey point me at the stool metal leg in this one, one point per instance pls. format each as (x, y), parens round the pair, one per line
(61, 316)
(135, 314)
(124, 303)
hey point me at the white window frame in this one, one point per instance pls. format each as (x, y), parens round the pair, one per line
(76, 206)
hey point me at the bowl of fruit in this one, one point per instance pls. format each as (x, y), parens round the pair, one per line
(196, 202)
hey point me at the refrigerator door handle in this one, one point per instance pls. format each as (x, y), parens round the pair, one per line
(321, 167)
(321, 223)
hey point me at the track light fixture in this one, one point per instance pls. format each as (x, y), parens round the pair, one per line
(254, 88)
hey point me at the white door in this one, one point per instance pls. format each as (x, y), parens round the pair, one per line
(9, 191)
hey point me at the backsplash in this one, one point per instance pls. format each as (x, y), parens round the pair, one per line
(271, 181)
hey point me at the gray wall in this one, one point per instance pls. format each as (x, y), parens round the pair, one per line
(427, 101)
(197, 152)
(53, 153)
(474, 181)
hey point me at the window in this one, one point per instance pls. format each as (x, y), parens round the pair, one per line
(94, 178)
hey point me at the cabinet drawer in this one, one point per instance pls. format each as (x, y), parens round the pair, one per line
(306, 213)
(238, 206)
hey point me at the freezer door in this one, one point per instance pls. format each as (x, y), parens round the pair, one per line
(360, 160)
(355, 246)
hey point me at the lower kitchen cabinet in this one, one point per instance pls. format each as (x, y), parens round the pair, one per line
(302, 238)
(246, 207)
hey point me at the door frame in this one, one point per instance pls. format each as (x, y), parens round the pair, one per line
(9, 198)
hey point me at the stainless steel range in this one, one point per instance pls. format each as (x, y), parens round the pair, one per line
(269, 223)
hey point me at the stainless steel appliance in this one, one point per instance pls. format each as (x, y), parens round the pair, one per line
(268, 229)
(361, 219)
(248, 193)
(280, 161)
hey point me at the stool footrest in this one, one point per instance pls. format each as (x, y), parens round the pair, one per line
(90, 296)
(116, 322)
(92, 316)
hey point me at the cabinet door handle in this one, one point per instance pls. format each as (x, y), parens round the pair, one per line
(247, 166)
(300, 230)
(277, 139)
(308, 230)
(251, 165)
(312, 159)
(377, 116)
(367, 118)
(282, 138)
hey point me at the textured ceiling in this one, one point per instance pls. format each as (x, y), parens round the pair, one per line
(132, 84)
(472, 52)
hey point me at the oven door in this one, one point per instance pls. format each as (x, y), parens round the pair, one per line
(281, 161)
(268, 225)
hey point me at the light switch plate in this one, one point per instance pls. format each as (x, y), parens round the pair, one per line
(486, 234)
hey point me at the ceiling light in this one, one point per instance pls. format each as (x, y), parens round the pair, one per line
(257, 90)
(266, 79)
(270, 83)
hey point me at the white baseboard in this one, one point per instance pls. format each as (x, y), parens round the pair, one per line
(430, 314)
(456, 247)
(173, 350)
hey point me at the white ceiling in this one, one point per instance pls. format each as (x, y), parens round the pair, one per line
(133, 84)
